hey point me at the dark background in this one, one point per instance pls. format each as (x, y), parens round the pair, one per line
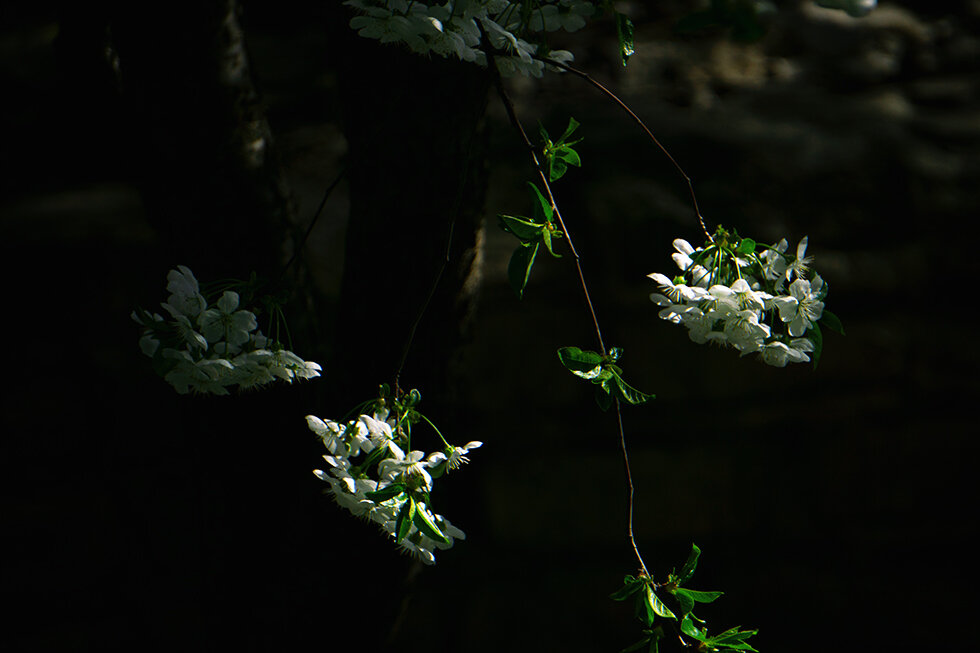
(835, 507)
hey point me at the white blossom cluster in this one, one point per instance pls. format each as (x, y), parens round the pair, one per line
(455, 28)
(380, 486)
(741, 299)
(209, 348)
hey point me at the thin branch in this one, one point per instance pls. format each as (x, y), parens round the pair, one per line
(515, 121)
(588, 78)
(316, 216)
(629, 485)
(428, 299)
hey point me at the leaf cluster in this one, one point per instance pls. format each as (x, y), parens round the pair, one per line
(649, 605)
(539, 229)
(603, 371)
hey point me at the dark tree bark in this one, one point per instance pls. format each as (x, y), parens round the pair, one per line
(208, 169)
(417, 178)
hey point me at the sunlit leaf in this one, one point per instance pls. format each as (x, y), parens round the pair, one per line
(546, 235)
(691, 629)
(630, 587)
(585, 364)
(702, 597)
(624, 30)
(520, 226)
(542, 207)
(405, 516)
(573, 124)
(690, 565)
(426, 524)
(631, 394)
(657, 605)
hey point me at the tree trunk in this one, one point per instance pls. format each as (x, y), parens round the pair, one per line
(417, 169)
(208, 171)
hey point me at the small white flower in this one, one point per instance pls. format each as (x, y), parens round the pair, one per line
(677, 293)
(744, 331)
(330, 433)
(410, 470)
(800, 265)
(800, 308)
(187, 333)
(453, 457)
(185, 297)
(773, 262)
(747, 298)
(778, 354)
(225, 322)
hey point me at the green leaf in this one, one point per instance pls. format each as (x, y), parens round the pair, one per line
(624, 30)
(520, 227)
(573, 124)
(701, 597)
(684, 601)
(691, 629)
(644, 609)
(405, 516)
(630, 587)
(585, 364)
(832, 322)
(556, 168)
(569, 156)
(630, 394)
(657, 605)
(690, 565)
(542, 207)
(386, 493)
(425, 523)
(747, 246)
(546, 235)
(519, 269)
(732, 638)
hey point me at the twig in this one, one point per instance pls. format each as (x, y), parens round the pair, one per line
(588, 78)
(316, 216)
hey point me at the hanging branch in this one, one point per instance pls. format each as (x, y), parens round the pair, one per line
(515, 121)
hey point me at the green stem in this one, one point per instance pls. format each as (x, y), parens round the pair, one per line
(434, 428)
